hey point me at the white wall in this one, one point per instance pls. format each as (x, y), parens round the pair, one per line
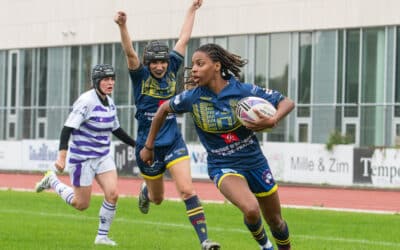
(43, 23)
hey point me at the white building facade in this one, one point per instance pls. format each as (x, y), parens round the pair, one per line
(337, 59)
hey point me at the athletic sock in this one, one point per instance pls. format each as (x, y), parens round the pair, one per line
(258, 232)
(64, 191)
(106, 216)
(282, 238)
(195, 213)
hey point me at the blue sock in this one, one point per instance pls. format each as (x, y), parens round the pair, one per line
(258, 232)
(195, 212)
(282, 238)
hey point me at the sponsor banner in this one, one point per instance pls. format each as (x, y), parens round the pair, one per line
(310, 163)
(10, 155)
(39, 155)
(198, 161)
(125, 159)
(377, 167)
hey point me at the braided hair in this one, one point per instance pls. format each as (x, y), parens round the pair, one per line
(230, 63)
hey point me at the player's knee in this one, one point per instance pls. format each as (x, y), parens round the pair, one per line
(251, 212)
(112, 197)
(81, 206)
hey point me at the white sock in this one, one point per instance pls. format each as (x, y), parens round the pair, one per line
(64, 191)
(106, 216)
(266, 245)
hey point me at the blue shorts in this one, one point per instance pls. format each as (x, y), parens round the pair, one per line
(260, 180)
(164, 158)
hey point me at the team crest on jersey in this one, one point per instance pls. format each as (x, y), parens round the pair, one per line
(230, 137)
(267, 177)
(82, 111)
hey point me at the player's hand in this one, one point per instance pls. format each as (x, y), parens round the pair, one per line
(147, 156)
(120, 18)
(262, 123)
(197, 4)
(60, 162)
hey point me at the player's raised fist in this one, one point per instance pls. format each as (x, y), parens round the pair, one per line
(120, 18)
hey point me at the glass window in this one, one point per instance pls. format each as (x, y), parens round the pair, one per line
(261, 55)
(107, 54)
(340, 63)
(397, 86)
(122, 91)
(323, 86)
(352, 71)
(372, 87)
(42, 98)
(373, 65)
(86, 68)
(74, 75)
(304, 84)
(350, 131)
(279, 75)
(303, 132)
(238, 46)
(13, 85)
(27, 93)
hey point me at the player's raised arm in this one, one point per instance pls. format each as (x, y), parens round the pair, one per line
(131, 55)
(187, 27)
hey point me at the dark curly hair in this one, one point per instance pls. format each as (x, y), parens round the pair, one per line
(230, 63)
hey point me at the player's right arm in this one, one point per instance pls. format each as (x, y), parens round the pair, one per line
(62, 153)
(126, 42)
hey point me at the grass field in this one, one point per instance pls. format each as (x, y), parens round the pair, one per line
(43, 221)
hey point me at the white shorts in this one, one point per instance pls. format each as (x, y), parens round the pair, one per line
(82, 174)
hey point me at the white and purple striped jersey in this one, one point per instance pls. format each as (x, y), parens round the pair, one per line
(93, 124)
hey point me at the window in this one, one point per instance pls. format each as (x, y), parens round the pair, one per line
(352, 72)
(304, 85)
(278, 78)
(261, 58)
(303, 132)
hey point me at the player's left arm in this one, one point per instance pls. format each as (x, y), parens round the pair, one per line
(124, 137)
(187, 27)
(285, 106)
(146, 154)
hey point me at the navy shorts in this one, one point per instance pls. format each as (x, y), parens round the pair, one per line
(260, 180)
(164, 157)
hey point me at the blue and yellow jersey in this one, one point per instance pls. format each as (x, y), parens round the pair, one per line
(149, 93)
(227, 142)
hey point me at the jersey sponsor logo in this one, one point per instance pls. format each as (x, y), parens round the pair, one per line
(230, 138)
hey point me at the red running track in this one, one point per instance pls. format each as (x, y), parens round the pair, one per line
(386, 201)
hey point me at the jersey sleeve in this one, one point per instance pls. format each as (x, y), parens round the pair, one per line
(273, 96)
(138, 74)
(116, 123)
(182, 103)
(175, 61)
(78, 115)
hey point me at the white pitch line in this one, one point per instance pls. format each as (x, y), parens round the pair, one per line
(232, 230)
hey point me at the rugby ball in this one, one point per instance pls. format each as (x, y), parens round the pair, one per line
(245, 107)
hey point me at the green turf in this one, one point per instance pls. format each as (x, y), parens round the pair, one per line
(43, 221)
